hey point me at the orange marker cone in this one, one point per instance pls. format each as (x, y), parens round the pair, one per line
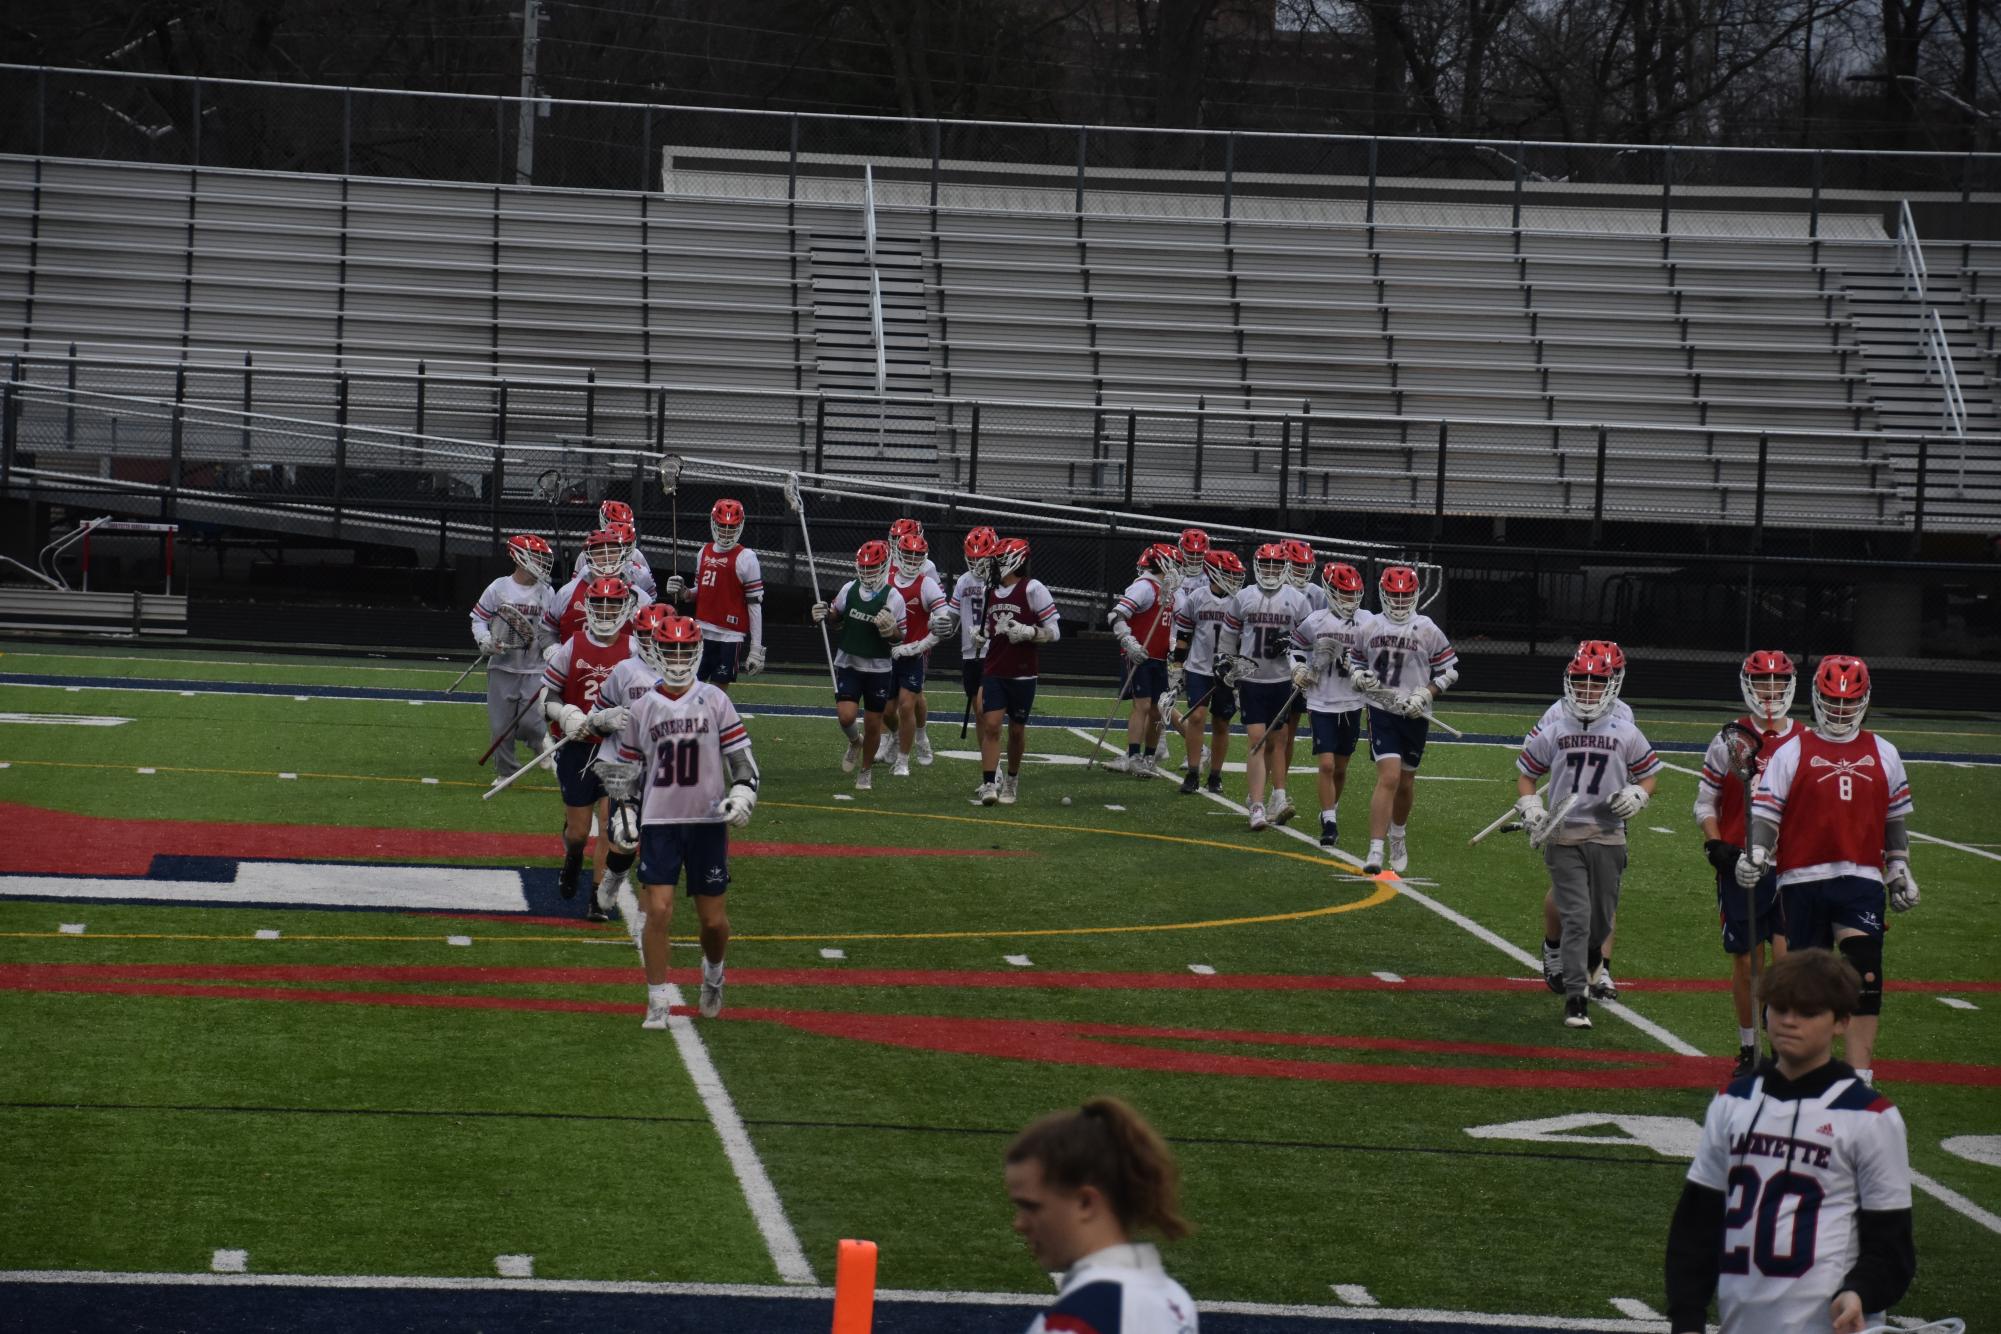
(854, 1288)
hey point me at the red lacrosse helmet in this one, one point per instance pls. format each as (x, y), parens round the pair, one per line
(604, 552)
(676, 642)
(725, 524)
(871, 565)
(607, 603)
(614, 511)
(911, 553)
(1011, 557)
(905, 527)
(1343, 583)
(1298, 562)
(644, 622)
(1269, 566)
(1226, 572)
(531, 553)
(1194, 546)
(1398, 586)
(980, 546)
(1767, 680)
(1611, 652)
(1589, 690)
(1840, 696)
(1162, 560)
(628, 540)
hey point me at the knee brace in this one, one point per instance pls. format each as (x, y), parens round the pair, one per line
(1865, 955)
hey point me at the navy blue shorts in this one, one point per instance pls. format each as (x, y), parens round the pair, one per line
(1012, 695)
(1392, 734)
(1262, 700)
(873, 689)
(1732, 911)
(1812, 909)
(907, 674)
(703, 850)
(970, 672)
(580, 783)
(1336, 733)
(719, 660)
(1149, 679)
(1209, 692)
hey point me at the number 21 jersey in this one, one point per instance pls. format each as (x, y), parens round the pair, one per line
(680, 744)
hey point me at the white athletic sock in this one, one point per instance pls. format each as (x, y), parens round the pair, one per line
(853, 730)
(1328, 813)
(657, 995)
(1866, 1076)
(1278, 796)
(1747, 1037)
(1375, 849)
(712, 971)
(1396, 831)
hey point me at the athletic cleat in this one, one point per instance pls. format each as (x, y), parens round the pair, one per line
(1330, 833)
(1283, 811)
(901, 769)
(1191, 783)
(865, 780)
(1399, 853)
(1010, 787)
(1575, 1013)
(922, 751)
(852, 758)
(573, 866)
(1602, 987)
(601, 900)
(711, 1002)
(1374, 864)
(987, 794)
(1216, 784)
(1148, 767)
(1258, 821)
(656, 1016)
(886, 751)
(1552, 967)
(1120, 764)
(1747, 1062)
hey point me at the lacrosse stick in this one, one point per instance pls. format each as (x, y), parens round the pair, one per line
(1272, 729)
(1549, 826)
(1743, 744)
(1503, 819)
(512, 622)
(533, 701)
(547, 758)
(1952, 1324)
(670, 482)
(1386, 701)
(798, 507)
(467, 672)
(1123, 687)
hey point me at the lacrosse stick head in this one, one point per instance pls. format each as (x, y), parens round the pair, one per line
(532, 556)
(1590, 687)
(548, 484)
(1398, 588)
(607, 605)
(1742, 744)
(511, 627)
(1554, 822)
(620, 778)
(1268, 566)
(726, 517)
(1767, 680)
(1226, 573)
(1840, 696)
(791, 488)
(1343, 583)
(670, 473)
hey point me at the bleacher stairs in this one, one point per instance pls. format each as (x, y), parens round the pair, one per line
(862, 437)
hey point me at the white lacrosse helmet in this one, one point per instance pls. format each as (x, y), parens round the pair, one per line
(1840, 696)
(607, 606)
(1268, 566)
(532, 554)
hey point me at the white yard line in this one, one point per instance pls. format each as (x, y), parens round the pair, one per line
(1953, 1200)
(1957, 847)
(765, 1207)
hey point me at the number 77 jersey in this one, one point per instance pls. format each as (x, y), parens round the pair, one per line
(1591, 761)
(680, 743)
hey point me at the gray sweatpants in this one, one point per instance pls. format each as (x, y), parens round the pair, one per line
(1584, 877)
(506, 694)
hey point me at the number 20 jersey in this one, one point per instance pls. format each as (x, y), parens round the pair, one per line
(680, 744)
(1794, 1170)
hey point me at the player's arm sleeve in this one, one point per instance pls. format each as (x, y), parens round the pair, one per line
(1048, 625)
(1537, 754)
(1715, 773)
(750, 573)
(735, 743)
(1444, 665)
(557, 674)
(1641, 762)
(1694, 1254)
(1900, 790)
(484, 611)
(1231, 631)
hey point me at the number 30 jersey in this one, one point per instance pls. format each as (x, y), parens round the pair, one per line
(1592, 760)
(680, 742)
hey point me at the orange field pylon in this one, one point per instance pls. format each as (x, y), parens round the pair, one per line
(854, 1288)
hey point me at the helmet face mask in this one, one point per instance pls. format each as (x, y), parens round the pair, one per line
(643, 625)
(979, 548)
(912, 551)
(871, 567)
(1012, 557)
(532, 556)
(628, 541)
(1298, 563)
(677, 646)
(607, 606)
(725, 524)
(604, 553)
(1767, 681)
(1194, 549)
(1269, 567)
(1840, 696)
(1163, 562)
(1226, 573)
(1343, 583)
(1398, 588)
(1589, 690)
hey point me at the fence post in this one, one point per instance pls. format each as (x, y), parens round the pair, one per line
(973, 468)
(1132, 449)
(1305, 441)
(340, 451)
(1598, 493)
(1370, 215)
(1285, 470)
(499, 465)
(1438, 502)
(422, 382)
(1521, 150)
(792, 160)
(1918, 509)
(820, 435)
(246, 404)
(591, 406)
(347, 131)
(69, 412)
(7, 427)
(501, 175)
(41, 112)
(660, 421)
(1667, 189)
(1535, 601)
(194, 124)
(1082, 139)
(171, 509)
(1758, 514)
(646, 149)
(1201, 428)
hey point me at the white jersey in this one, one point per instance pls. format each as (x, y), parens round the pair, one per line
(1198, 618)
(1782, 773)
(1410, 656)
(1259, 625)
(1619, 712)
(1119, 1290)
(1316, 596)
(1794, 1168)
(511, 612)
(681, 742)
(1593, 761)
(635, 571)
(627, 682)
(969, 601)
(1718, 769)
(1333, 692)
(839, 606)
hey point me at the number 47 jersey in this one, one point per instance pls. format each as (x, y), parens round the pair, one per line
(680, 742)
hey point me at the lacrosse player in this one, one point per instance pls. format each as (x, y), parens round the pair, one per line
(688, 765)
(1142, 620)
(969, 608)
(1326, 639)
(909, 527)
(1766, 680)
(1829, 817)
(1602, 986)
(1020, 616)
(630, 679)
(507, 628)
(1601, 773)
(577, 670)
(926, 620)
(729, 599)
(1406, 663)
(869, 618)
(1299, 572)
(615, 517)
(1201, 606)
(1256, 642)
(1796, 1213)
(604, 554)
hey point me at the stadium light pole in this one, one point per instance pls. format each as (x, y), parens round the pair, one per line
(524, 135)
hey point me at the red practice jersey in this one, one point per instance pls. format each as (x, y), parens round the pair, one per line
(1719, 781)
(726, 583)
(1148, 614)
(1831, 800)
(1025, 602)
(580, 668)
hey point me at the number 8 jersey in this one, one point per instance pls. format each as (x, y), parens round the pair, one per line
(680, 742)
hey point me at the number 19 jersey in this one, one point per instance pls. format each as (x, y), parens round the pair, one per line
(680, 742)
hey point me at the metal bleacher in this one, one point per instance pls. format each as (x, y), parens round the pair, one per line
(1430, 360)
